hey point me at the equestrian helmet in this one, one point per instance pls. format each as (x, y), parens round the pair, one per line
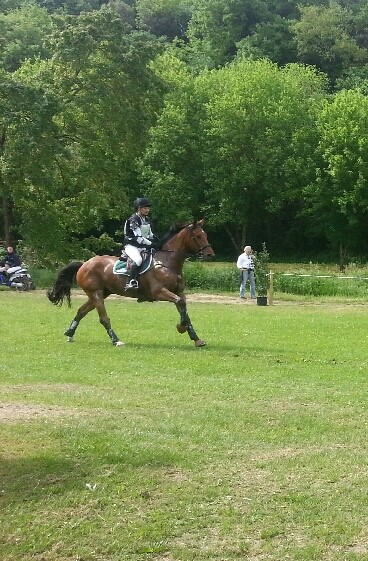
(141, 201)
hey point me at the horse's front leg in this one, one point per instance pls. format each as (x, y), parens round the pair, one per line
(99, 304)
(185, 324)
(81, 313)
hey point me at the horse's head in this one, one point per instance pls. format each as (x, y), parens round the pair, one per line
(198, 241)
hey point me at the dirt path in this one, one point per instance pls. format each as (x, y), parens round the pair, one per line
(229, 299)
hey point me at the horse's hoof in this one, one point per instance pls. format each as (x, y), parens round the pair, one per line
(119, 344)
(181, 328)
(70, 340)
(200, 343)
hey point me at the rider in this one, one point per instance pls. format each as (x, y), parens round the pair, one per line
(138, 236)
(11, 261)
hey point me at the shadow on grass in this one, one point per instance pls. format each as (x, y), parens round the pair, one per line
(213, 347)
(37, 477)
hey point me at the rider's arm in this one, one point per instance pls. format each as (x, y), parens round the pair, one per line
(138, 236)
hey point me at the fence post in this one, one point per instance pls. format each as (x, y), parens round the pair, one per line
(270, 290)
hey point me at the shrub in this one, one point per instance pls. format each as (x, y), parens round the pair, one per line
(315, 286)
(200, 276)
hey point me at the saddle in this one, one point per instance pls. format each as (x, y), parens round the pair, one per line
(123, 265)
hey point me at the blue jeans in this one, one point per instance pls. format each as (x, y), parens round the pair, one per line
(247, 275)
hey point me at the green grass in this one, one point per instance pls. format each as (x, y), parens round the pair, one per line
(253, 447)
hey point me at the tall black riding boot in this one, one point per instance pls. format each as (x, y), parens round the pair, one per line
(132, 280)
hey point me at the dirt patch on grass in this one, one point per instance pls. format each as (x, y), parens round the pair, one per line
(12, 412)
(234, 299)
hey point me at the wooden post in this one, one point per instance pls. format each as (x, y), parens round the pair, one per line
(270, 290)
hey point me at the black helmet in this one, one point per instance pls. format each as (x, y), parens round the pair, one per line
(141, 201)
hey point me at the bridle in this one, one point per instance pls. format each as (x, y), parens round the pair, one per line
(200, 248)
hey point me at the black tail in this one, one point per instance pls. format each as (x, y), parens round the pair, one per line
(63, 283)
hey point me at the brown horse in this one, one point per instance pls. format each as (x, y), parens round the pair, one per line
(164, 281)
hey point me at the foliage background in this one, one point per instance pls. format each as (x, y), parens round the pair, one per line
(252, 114)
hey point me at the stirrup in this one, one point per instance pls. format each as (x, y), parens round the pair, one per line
(133, 283)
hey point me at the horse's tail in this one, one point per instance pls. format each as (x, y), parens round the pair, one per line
(63, 284)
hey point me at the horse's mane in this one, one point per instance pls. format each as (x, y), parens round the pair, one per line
(173, 230)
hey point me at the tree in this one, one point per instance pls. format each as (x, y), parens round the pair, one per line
(273, 40)
(324, 39)
(235, 144)
(108, 98)
(167, 18)
(28, 147)
(338, 199)
(23, 34)
(171, 165)
(217, 26)
(260, 135)
(355, 78)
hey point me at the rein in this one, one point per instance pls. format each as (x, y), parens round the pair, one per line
(183, 252)
(200, 248)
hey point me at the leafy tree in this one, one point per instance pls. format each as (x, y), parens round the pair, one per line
(28, 148)
(217, 26)
(172, 166)
(324, 39)
(235, 144)
(273, 40)
(167, 18)
(355, 78)
(360, 24)
(338, 199)
(23, 34)
(126, 12)
(108, 98)
(260, 135)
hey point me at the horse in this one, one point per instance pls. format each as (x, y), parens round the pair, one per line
(164, 281)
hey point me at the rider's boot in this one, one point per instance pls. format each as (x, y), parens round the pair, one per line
(132, 280)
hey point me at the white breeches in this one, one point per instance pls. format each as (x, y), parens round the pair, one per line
(9, 270)
(134, 253)
(13, 269)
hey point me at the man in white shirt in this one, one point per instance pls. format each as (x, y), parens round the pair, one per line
(245, 264)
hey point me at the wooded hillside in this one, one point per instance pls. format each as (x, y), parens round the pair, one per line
(250, 113)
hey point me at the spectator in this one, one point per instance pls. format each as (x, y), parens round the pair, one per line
(245, 264)
(11, 261)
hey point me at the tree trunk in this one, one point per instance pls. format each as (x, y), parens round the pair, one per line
(343, 258)
(238, 242)
(6, 201)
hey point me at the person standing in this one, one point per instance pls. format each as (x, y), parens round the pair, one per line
(245, 264)
(138, 237)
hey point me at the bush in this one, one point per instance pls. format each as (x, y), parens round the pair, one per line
(224, 277)
(314, 286)
(43, 278)
(200, 276)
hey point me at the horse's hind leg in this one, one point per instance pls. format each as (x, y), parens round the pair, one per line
(81, 313)
(99, 304)
(185, 324)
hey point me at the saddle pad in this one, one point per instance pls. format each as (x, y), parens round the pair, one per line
(121, 267)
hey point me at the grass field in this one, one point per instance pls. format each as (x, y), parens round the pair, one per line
(252, 448)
